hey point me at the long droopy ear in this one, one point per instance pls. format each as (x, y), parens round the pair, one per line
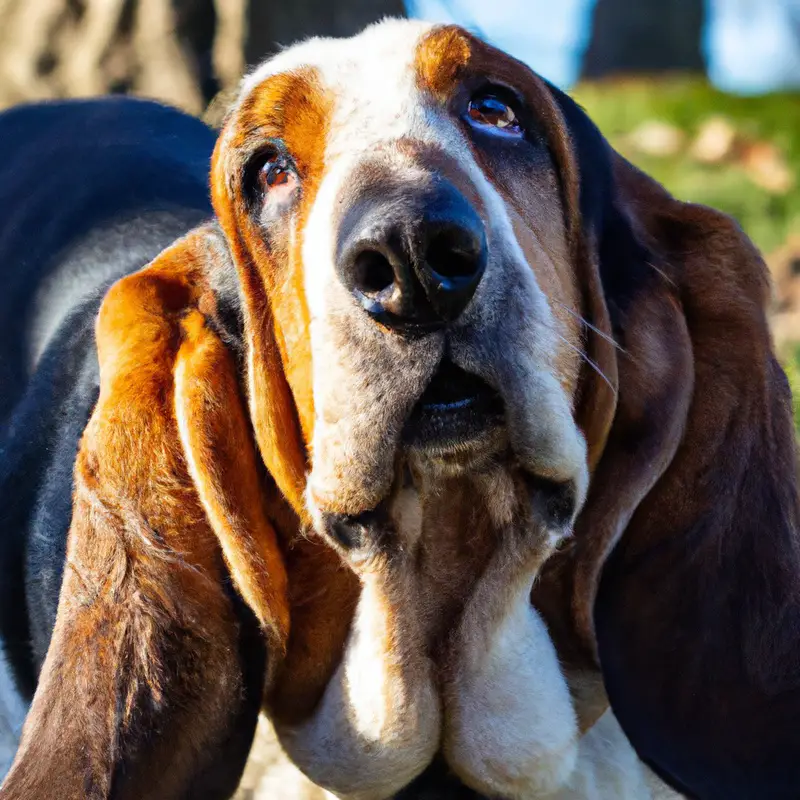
(145, 683)
(693, 508)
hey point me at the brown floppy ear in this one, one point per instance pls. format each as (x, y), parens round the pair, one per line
(152, 681)
(693, 506)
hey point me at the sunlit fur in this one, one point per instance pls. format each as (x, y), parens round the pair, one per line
(462, 617)
(365, 382)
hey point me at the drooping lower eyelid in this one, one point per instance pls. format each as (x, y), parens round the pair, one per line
(509, 132)
(277, 202)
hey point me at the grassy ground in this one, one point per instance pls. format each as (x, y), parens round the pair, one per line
(791, 363)
(687, 105)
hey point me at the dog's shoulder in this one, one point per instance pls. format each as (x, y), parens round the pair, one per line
(89, 191)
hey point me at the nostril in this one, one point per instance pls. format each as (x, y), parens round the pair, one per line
(454, 253)
(372, 272)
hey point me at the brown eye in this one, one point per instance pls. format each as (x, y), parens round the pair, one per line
(488, 110)
(275, 171)
(271, 183)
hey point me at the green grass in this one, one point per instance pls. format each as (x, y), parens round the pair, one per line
(620, 107)
(791, 364)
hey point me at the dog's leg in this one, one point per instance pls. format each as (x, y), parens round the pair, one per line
(378, 723)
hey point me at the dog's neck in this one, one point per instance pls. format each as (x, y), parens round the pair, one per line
(451, 524)
(442, 621)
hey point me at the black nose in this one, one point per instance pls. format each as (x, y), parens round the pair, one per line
(412, 257)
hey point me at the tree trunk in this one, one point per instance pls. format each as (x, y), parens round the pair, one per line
(645, 37)
(182, 52)
(74, 48)
(273, 24)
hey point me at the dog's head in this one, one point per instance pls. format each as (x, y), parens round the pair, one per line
(403, 205)
(443, 264)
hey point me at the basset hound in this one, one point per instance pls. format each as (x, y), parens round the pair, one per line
(446, 437)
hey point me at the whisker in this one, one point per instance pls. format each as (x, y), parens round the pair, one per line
(591, 327)
(589, 361)
(661, 273)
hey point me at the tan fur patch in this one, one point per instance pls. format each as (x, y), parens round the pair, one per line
(441, 58)
(294, 108)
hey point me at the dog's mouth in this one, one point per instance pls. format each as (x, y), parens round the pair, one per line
(457, 412)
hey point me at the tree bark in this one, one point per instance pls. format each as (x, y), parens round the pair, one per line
(274, 24)
(645, 37)
(182, 52)
(75, 48)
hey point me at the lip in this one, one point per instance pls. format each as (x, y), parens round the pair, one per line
(456, 411)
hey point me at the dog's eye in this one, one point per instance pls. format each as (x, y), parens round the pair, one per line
(275, 171)
(271, 184)
(490, 110)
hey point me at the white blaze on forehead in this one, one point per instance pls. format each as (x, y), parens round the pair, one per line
(367, 66)
(372, 81)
